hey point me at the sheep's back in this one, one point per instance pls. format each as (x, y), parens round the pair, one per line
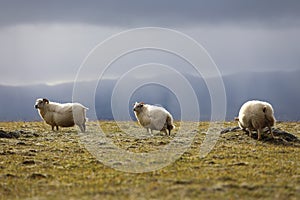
(157, 112)
(65, 107)
(252, 114)
(158, 116)
(63, 114)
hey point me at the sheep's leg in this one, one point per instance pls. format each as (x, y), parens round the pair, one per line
(82, 127)
(170, 127)
(250, 132)
(165, 131)
(53, 127)
(271, 132)
(259, 134)
(169, 131)
(149, 131)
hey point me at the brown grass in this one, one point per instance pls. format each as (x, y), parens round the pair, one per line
(42, 164)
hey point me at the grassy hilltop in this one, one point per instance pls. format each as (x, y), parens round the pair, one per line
(41, 164)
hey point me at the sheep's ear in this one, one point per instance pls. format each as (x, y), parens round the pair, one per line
(142, 103)
(236, 119)
(45, 100)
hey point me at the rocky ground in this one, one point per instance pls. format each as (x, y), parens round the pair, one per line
(37, 163)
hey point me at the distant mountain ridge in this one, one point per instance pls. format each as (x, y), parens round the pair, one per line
(281, 89)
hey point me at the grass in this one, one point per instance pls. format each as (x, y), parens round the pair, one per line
(42, 164)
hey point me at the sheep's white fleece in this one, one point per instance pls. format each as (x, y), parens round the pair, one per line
(154, 117)
(256, 115)
(64, 115)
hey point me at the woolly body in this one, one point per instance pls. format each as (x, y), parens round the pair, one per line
(256, 115)
(63, 115)
(153, 117)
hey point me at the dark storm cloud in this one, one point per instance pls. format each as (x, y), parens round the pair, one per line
(152, 12)
(53, 37)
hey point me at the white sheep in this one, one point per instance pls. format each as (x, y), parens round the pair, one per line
(63, 115)
(153, 117)
(256, 115)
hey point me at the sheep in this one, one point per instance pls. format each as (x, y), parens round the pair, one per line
(63, 115)
(256, 115)
(153, 117)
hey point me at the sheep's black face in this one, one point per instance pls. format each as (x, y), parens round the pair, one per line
(39, 104)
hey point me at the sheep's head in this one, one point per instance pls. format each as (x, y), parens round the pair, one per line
(40, 103)
(137, 107)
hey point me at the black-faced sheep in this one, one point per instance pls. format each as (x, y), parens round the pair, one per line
(256, 115)
(63, 115)
(153, 117)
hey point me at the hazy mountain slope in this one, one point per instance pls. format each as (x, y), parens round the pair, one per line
(280, 88)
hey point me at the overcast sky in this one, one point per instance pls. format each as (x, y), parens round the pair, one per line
(46, 41)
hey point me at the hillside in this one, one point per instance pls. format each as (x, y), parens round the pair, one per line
(41, 164)
(279, 88)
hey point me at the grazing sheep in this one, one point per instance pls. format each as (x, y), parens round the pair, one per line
(153, 117)
(256, 115)
(64, 115)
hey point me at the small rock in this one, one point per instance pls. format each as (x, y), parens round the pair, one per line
(239, 164)
(162, 143)
(37, 176)
(35, 134)
(218, 187)
(4, 134)
(8, 175)
(183, 182)
(21, 143)
(248, 186)
(28, 162)
(8, 152)
(117, 164)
